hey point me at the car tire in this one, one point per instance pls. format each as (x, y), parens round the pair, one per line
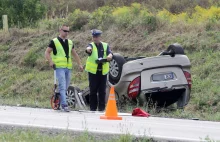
(70, 96)
(116, 68)
(85, 94)
(141, 100)
(177, 48)
(184, 99)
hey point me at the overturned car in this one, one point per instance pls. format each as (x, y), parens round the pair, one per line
(159, 81)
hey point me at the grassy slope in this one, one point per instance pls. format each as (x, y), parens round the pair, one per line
(26, 79)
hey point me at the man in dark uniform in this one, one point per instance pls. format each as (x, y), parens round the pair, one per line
(97, 72)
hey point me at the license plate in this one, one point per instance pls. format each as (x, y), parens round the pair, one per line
(168, 76)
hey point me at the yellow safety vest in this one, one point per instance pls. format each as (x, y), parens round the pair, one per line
(91, 65)
(60, 59)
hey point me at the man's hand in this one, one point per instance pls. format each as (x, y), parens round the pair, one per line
(51, 64)
(47, 56)
(109, 57)
(89, 49)
(81, 68)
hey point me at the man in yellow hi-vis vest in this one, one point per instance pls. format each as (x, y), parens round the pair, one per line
(59, 52)
(97, 72)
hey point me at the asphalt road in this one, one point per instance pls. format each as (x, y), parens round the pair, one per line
(163, 129)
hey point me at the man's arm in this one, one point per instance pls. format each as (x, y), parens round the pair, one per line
(76, 56)
(109, 54)
(47, 56)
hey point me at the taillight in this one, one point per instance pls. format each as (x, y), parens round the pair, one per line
(188, 78)
(134, 88)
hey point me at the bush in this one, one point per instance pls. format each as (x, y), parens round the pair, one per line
(30, 58)
(125, 16)
(202, 15)
(199, 16)
(52, 24)
(4, 57)
(22, 13)
(78, 19)
(148, 20)
(122, 16)
(101, 18)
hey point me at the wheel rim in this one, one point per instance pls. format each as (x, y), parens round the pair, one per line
(54, 105)
(114, 69)
(70, 98)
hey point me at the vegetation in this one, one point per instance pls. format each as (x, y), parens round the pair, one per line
(37, 136)
(143, 28)
(22, 13)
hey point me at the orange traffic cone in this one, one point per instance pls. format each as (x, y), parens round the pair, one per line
(111, 109)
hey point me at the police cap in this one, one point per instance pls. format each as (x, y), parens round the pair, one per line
(96, 32)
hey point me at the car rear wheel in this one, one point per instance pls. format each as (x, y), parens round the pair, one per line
(85, 95)
(116, 68)
(183, 99)
(177, 48)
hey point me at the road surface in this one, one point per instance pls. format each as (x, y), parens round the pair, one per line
(164, 129)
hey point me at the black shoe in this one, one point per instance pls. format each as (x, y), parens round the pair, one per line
(102, 110)
(65, 108)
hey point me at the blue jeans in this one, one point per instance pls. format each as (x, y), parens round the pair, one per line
(63, 75)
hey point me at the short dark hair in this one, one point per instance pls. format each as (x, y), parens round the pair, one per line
(64, 25)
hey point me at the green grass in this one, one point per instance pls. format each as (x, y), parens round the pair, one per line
(37, 136)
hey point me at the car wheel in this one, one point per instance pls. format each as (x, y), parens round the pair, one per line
(141, 100)
(85, 95)
(70, 96)
(116, 68)
(184, 99)
(177, 48)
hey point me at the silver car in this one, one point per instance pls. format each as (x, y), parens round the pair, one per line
(159, 81)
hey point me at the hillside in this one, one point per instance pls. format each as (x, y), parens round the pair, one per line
(132, 30)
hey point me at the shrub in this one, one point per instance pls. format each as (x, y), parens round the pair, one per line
(31, 57)
(199, 16)
(148, 20)
(122, 16)
(126, 17)
(78, 19)
(52, 24)
(4, 57)
(22, 13)
(202, 15)
(135, 9)
(101, 18)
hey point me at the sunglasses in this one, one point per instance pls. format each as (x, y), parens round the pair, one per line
(96, 36)
(66, 31)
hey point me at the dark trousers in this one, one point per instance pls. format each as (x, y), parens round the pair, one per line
(97, 84)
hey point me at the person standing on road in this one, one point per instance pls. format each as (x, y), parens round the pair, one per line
(59, 53)
(97, 72)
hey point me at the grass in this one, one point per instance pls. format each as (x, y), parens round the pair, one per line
(38, 136)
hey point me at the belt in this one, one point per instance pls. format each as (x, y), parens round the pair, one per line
(99, 69)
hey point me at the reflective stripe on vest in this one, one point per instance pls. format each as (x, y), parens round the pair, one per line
(60, 59)
(91, 65)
